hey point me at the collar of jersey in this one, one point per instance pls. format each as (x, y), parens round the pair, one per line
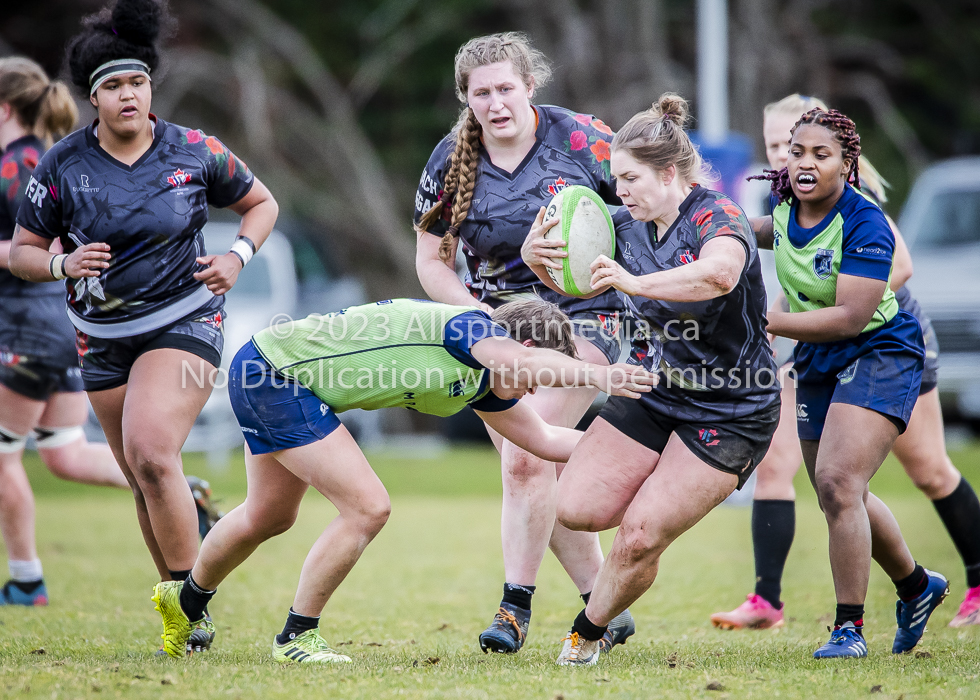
(158, 128)
(801, 237)
(696, 193)
(539, 132)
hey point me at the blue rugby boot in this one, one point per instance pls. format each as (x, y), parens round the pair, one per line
(846, 641)
(913, 615)
(507, 632)
(12, 594)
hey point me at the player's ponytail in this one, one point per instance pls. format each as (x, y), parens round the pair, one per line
(43, 107)
(656, 138)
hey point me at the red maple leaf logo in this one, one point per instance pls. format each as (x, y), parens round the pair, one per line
(178, 178)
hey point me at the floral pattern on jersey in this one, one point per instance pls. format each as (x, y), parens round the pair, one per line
(9, 180)
(592, 139)
(729, 215)
(228, 163)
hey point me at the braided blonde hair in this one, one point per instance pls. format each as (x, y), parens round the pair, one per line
(460, 181)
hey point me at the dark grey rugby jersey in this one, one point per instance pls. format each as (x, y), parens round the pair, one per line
(713, 356)
(150, 214)
(570, 149)
(32, 315)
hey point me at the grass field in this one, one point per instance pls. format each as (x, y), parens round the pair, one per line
(410, 612)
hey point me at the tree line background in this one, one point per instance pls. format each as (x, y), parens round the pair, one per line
(337, 105)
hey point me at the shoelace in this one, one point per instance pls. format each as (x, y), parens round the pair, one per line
(506, 616)
(575, 647)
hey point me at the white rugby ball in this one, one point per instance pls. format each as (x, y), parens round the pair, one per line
(587, 228)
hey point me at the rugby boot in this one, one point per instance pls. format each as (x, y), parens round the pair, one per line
(969, 612)
(620, 629)
(756, 613)
(306, 648)
(913, 615)
(846, 641)
(507, 632)
(576, 651)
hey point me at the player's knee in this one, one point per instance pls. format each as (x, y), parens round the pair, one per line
(151, 467)
(521, 468)
(575, 515)
(936, 478)
(374, 512)
(639, 542)
(837, 492)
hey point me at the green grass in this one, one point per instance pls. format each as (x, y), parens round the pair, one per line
(411, 610)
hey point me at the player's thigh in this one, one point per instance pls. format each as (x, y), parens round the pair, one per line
(65, 409)
(922, 447)
(602, 477)
(274, 493)
(18, 413)
(774, 475)
(854, 443)
(162, 402)
(337, 468)
(681, 490)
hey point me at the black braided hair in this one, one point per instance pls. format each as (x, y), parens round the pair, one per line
(129, 29)
(844, 131)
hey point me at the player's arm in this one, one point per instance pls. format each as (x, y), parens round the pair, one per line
(514, 362)
(31, 259)
(526, 429)
(857, 300)
(438, 277)
(901, 261)
(764, 231)
(539, 254)
(259, 211)
(714, 274)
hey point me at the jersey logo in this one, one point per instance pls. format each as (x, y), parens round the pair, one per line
(847, 376)
(823, 263)
(456, 389)
(708, 436)
(179, 178)
(801, 414)
(686, 258)
(628, 252)
(557, 186)
(776, 237)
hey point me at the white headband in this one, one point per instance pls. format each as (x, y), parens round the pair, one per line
(113, 69)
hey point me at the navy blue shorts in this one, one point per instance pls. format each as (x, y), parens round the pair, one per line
(880, 370)
(275, 412)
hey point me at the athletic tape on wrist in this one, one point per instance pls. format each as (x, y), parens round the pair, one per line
(56, 266)
(242, 249)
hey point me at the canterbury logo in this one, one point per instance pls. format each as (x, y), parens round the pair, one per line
(801, 411)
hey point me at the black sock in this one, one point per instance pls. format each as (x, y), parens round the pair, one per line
(586, 630)
(518, 595)
(179, 575)
(773, 527)
(913, 585)
(586, 596)
(296, 624)
(28, 586)
(194, 599)
(849, 613)
(960, 513)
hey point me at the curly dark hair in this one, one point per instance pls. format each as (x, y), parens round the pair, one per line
(844, 131)
(129, 29)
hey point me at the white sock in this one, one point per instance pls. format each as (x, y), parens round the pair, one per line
(25, 571)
